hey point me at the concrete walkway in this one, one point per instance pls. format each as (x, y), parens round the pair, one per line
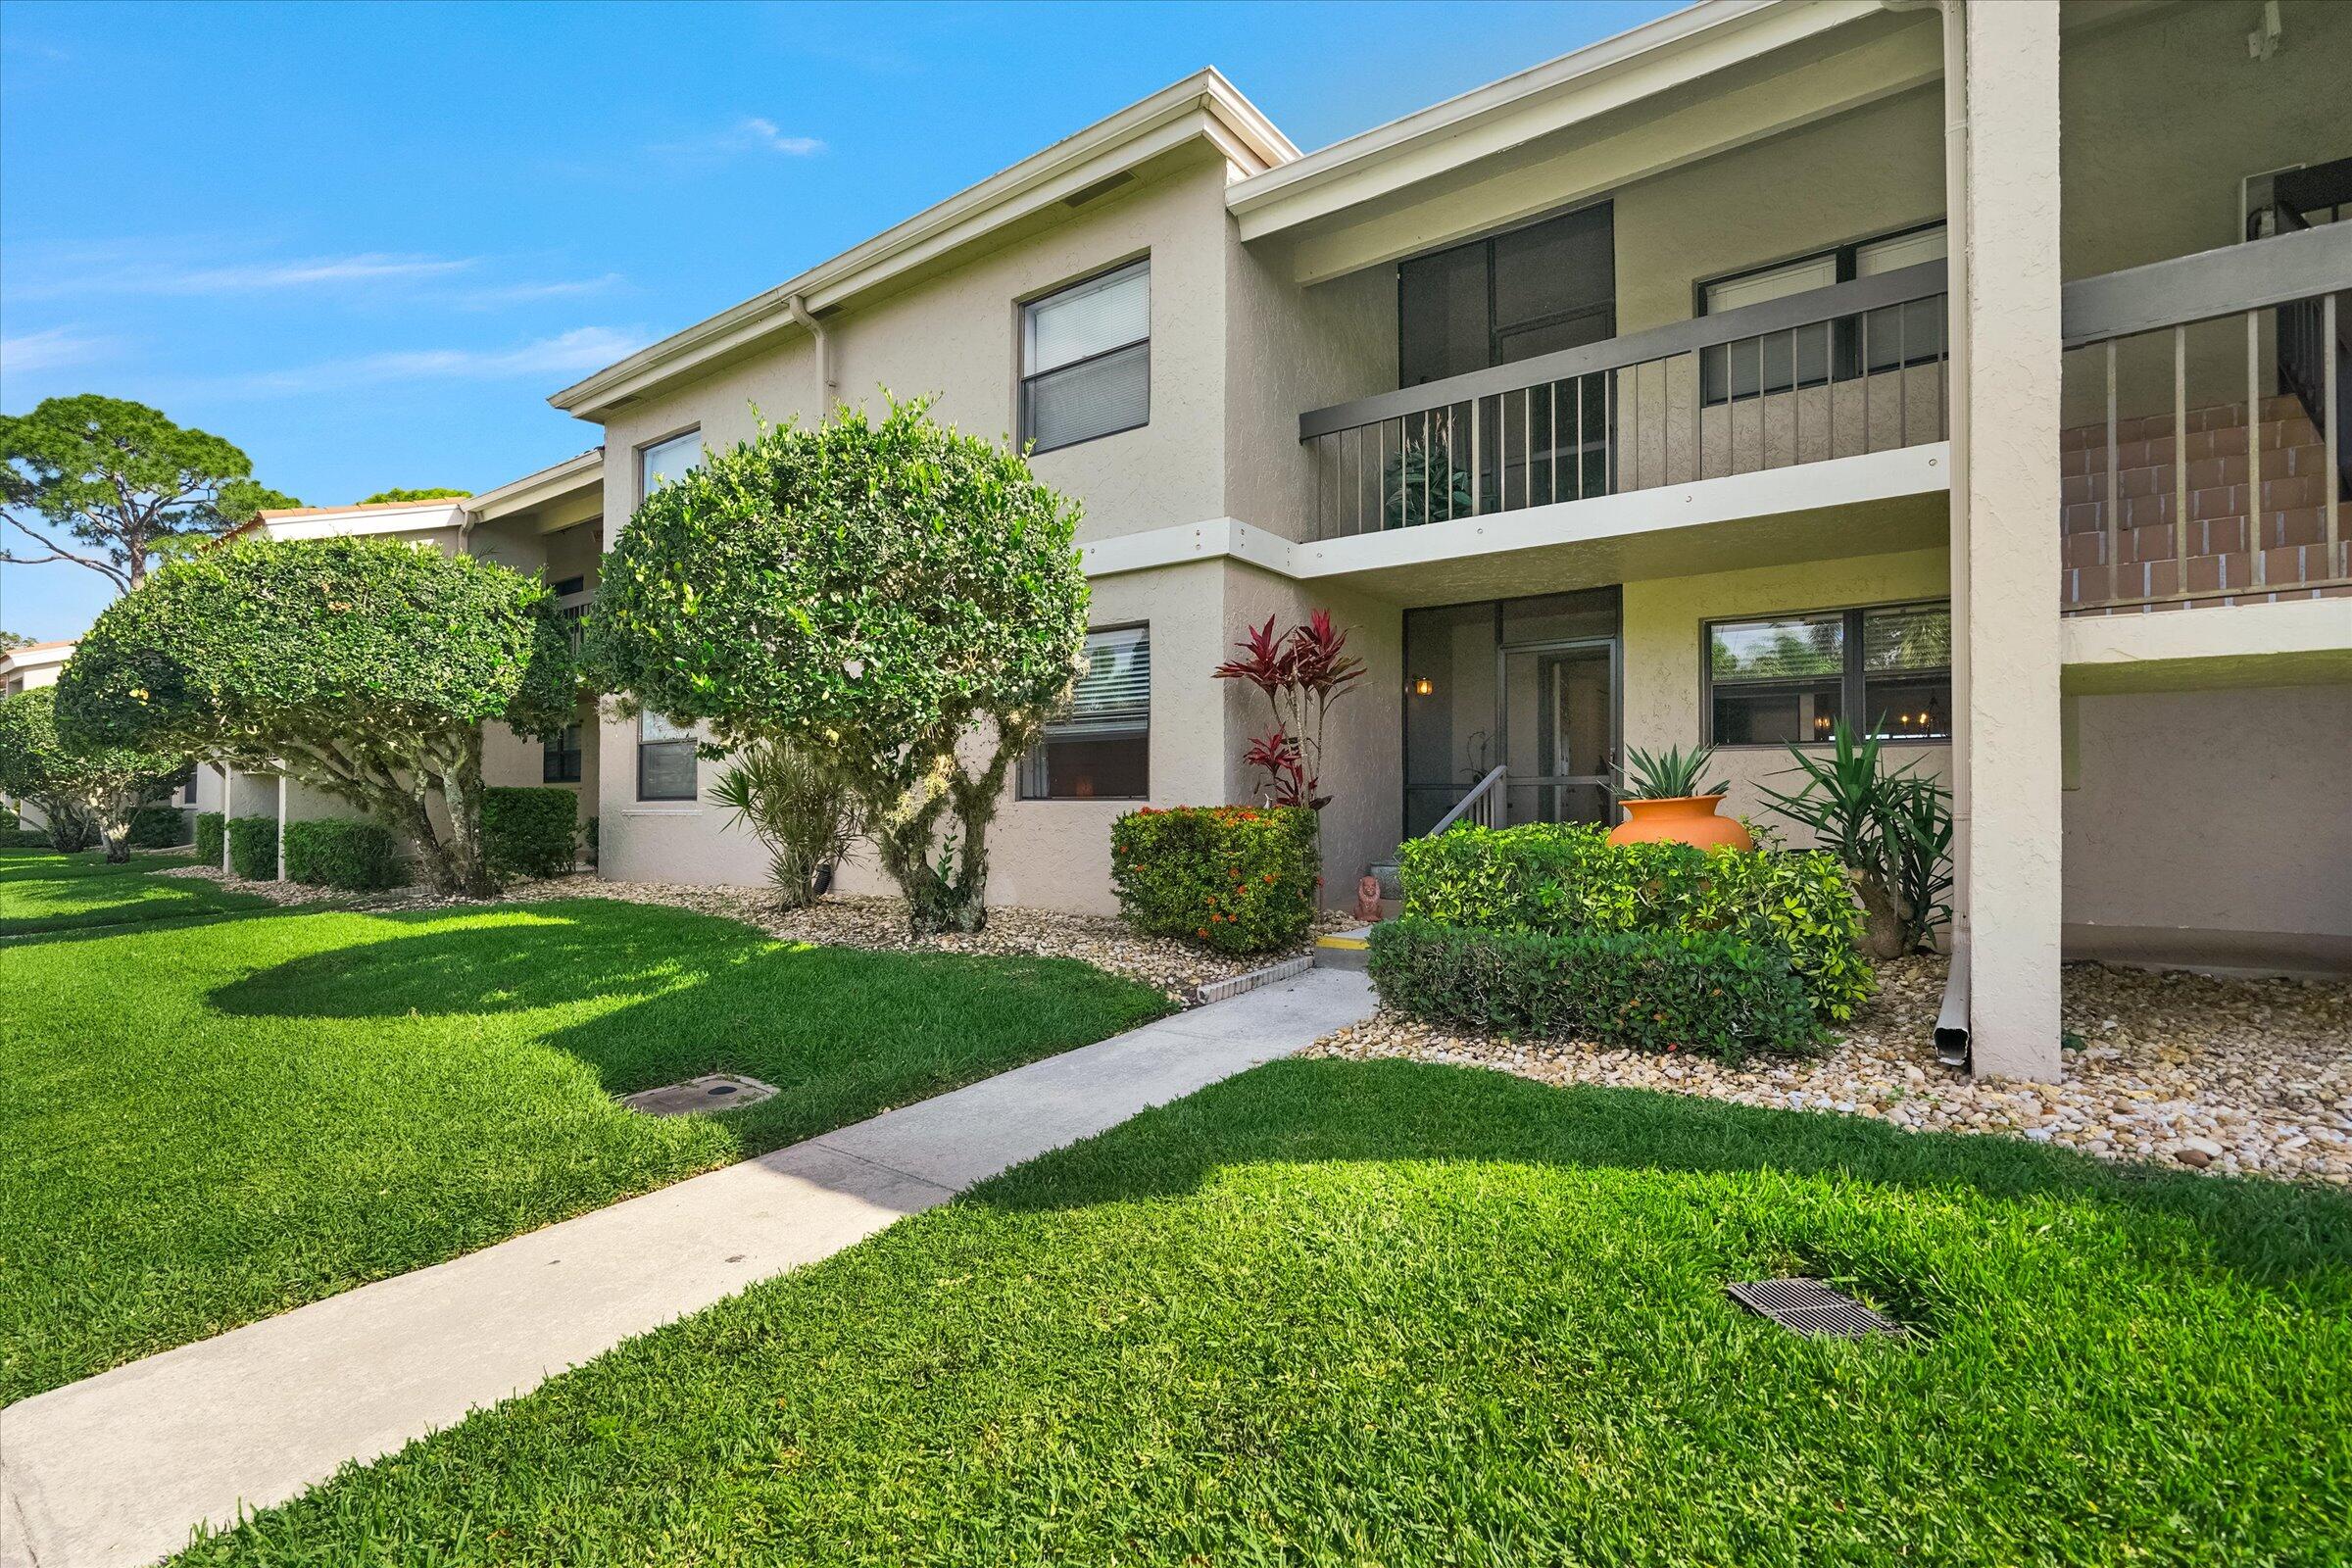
(117, 1470)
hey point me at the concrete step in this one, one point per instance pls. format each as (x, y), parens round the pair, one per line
(1344, 950)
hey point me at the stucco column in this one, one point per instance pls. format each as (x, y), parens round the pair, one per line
(2005, 558)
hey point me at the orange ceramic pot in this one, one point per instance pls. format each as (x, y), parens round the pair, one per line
(1681, 820)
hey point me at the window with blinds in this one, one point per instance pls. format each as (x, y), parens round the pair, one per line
(665, 760)
(1781, 680)
(1086, 360)
(1885, 339)
(1102, 750)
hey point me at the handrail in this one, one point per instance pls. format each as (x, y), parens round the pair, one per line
(2208, 284)
(1786, 314)
(1480, 791)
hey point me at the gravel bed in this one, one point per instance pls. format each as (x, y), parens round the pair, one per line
(876, 923)
(2231, 1076)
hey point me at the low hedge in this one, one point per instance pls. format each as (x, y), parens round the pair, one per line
(210, 828)
(1561, 877)
(1707, 992)
(158, 827)
(24, 838)
(528, 830)
(253, 847)
(358, 855)
(1236, 877)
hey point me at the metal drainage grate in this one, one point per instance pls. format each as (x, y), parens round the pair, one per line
(1811, 1309)
(719, 1091)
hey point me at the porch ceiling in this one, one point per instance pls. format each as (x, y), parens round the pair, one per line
(1862, 506)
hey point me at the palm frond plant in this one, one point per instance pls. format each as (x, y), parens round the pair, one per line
(799, 811)
(1673, 774)
(1891, 830)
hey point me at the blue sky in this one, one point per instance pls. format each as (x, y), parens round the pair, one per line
(364, 242)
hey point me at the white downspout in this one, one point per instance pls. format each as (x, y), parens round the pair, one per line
(828, 390)
(1952, 1024)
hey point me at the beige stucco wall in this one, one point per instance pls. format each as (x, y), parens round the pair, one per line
(1291, 350)
(2165, 114)
(1861, 175)
(1664, 653)
(2220, 810)
(955, 336)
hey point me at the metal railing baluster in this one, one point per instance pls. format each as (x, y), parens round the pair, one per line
(2254, 444)
(2179, 458)
(2332, 415)
(2114, 501)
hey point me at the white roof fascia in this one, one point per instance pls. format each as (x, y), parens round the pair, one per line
(1203, 105)
(23, 659)
(574, 477)
(1685, 46)
(339, 523)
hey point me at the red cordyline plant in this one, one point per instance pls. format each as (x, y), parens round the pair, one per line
(1302, 672)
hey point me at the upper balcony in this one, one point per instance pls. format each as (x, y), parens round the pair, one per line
(2206, 455)
(1827, 375)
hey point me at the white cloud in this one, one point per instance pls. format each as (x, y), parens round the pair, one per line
(498, 294)
(751, 134)
(764, 134)
(57, 348)
(315, 271)
(572, 352)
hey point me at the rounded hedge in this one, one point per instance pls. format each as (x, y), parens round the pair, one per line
(265, 644)
(863, 579)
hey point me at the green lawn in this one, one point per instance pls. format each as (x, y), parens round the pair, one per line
(41, 891)
(1383, 1314)
(206, 1122)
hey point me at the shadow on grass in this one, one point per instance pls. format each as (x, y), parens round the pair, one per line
(525, 959)
(45, 894)
(679, 994)
(1330, 1110)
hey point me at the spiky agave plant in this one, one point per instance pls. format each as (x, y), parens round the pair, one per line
(1670, 776)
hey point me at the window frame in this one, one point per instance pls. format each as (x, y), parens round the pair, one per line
(1854, 679)
(1485, 246)
(1024, 378)
(1844, 358)
(1022, 771)
(693, 751)
(642, 448)
(567, 761)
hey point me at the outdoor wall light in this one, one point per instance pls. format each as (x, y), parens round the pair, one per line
(1422, 686)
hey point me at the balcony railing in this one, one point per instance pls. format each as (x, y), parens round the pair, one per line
(1832, 373)
(2204, 453)
(573, 610)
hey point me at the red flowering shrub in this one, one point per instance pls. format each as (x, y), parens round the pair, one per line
(1239, 878)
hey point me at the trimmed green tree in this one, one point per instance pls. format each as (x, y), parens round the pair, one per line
(365, 667)
(428, 493)
(110, 484)
(901, 603)
(104, 786)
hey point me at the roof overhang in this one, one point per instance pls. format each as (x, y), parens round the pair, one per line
(1201, 108)
(1676, 52)
(574, 484)
(34, 656)
(382, 516)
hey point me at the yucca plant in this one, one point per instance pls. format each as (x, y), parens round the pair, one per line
(1673, 774)
(1892, 830)
(798, 810)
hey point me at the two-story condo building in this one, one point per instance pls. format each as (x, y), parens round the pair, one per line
(1972, 373)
